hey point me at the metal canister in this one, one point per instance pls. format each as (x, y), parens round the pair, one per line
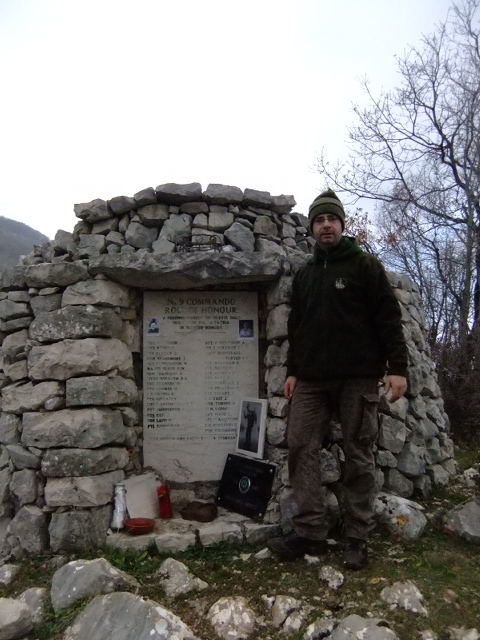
(120, 506)
(164, 504)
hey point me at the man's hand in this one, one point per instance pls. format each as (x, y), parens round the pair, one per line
(289, 387)
(397, 385)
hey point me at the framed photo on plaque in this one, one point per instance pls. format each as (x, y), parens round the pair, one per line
(251, 427)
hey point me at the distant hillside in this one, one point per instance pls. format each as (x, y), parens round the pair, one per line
(16, 239)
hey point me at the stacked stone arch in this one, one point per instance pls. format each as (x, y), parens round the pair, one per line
(71, 351)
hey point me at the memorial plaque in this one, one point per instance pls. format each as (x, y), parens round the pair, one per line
(200, 359)
(246, 486)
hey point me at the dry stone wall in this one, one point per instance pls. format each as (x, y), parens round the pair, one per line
(71, 345)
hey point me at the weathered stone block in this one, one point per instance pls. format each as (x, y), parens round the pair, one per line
(139, 236)
(76, 322)
(29, 528)
(153, 215)
(71, 358)
(60, 463)
(55, 275)
(76, 530)
(19, 398)
(88, 491)
(277, 322)
(10, 427)
(82, 428)
(10, 310)
(100, 390)
(392, 434)
(46, 303)
(92, 211)
(222, 194)
(240, 237)
(22, 458)
(97, 292)
(177, 194)
(23, 486)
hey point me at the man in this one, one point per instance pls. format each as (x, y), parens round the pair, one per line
(344, 333)
(251, 420)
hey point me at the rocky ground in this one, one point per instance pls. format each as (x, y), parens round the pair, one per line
(422, 585)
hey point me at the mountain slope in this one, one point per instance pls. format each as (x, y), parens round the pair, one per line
(16, 239)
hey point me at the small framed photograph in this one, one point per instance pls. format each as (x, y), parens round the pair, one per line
(251, 427)
(153, 326)
(245, 330)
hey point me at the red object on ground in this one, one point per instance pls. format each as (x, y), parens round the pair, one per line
(137, 526)
(164, 503)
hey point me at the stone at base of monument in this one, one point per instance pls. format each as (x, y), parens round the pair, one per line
(246, 486)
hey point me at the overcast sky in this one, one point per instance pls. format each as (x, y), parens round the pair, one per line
(101, 98)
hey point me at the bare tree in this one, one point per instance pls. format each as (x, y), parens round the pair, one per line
(415, 151)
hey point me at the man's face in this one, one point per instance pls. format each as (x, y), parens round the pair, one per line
(327, 230)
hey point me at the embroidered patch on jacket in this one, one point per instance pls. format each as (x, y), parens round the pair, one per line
(340, 283)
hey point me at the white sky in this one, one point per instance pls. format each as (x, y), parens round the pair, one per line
(101, 98)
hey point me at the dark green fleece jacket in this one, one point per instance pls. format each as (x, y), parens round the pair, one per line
(345, 321)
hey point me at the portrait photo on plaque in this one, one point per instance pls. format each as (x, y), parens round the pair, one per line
(153, 326)
(245, 330)
(251, 427)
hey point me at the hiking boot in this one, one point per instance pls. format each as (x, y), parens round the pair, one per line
(355, 554)
(293, 546)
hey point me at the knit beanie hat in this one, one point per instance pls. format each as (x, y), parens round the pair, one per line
(327, 202)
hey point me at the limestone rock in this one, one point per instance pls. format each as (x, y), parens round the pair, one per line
(36, 601)
(124, 616)
(91, 245)
(354, 626)
(22, 458)
(55, 274)
(15, 619)
(406, 595)
(231, 618)
(83, 428)
(20, 398)
(222, 194)
(13, 345)
(145, 196)
(29, 530)
(82, 579)
(176, 579)
(177, 194)
(71, 358)
(139, 236)
(97, 292)
(392, 433)
(122, 204)
(8, 573)
(46, 303)
(153, 215)
(77, 530)
(464, 520)
(255, 198)
(403, 517)
(76, 322)
(332, 577)
(86, 491)
(92, 211)
(100, 390)
(277, 322)
(240, 237)
(83, 462)
(10, 310)
(187, 271)
(397, 483)
(10, 426)
(23, 486)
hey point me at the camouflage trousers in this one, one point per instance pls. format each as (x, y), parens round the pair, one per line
(354, 402)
